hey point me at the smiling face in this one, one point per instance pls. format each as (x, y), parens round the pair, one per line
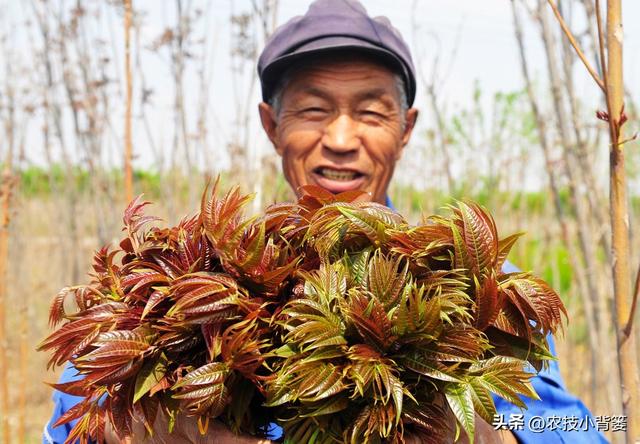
(340, 125)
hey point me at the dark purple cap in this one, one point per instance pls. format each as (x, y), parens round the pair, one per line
(331, 26)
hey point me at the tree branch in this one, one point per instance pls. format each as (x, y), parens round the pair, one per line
(603, 62)
(634, 303)
(573, 42)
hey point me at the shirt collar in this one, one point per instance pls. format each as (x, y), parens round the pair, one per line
(388, 203)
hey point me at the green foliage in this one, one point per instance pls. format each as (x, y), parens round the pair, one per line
(149, 182)
(36, 181)
(344, 321)
(395, 314)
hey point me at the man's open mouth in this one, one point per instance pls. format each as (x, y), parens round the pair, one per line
(339, 180)
(339, 175)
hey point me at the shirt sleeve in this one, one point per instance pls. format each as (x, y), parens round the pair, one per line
(62, 402)
(558, 417)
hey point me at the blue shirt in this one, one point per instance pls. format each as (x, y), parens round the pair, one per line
(555, 402)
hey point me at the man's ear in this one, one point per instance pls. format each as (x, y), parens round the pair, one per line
(269, 123)
(410, 119)
(410, 122)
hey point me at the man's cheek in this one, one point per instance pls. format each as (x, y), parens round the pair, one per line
(296, 174)
(287, 170)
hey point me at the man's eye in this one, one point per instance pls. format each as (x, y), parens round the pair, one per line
(313, 113)
(314, 110)
(370, 113)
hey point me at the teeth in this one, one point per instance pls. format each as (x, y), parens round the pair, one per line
(338, 175)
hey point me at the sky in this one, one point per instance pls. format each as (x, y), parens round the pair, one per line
(483, 29)
(473, 41)
(482, 32)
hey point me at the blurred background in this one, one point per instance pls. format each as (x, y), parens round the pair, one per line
(527, 147)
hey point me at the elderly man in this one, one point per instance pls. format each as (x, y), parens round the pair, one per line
(338, 88)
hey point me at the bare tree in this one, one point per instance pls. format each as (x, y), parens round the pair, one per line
(611, 83)
(625, 301)
(432, 85)
(53, 118)
(249, 31)
(584, 228)
(128, 151)
(7, 184)
(6, 192)
(598, 371)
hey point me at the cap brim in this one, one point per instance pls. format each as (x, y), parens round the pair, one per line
(327, 45)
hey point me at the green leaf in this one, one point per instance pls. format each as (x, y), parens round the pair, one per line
(400, 318)
(212, 373)
(504, 247)
(279, 395)
(325, 354)
(397, 393)
(461, 256)
(421, 364)
(357, 263)
(367, 224)
(319, 381)
(505, 377)
(461, 402)
(482, 400)
(255, 249)
(303, 431)
(386, 278)
(331, 406)
(506, 344)
(150, 374)
(173, 415)
(286, 351)
(325, 284)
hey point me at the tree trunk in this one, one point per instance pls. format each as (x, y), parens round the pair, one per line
(585, 238)
(627, 353)
(581, 279)
(6, 191)
(128, 151)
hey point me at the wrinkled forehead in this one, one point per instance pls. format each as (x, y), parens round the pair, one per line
(342, 66)
(338, 59)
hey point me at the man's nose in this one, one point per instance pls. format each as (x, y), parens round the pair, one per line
(341, 135)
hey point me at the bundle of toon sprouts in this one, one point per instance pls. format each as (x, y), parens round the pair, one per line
(333, 317)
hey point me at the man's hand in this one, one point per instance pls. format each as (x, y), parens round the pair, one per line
(185, 431)
(484, 434)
